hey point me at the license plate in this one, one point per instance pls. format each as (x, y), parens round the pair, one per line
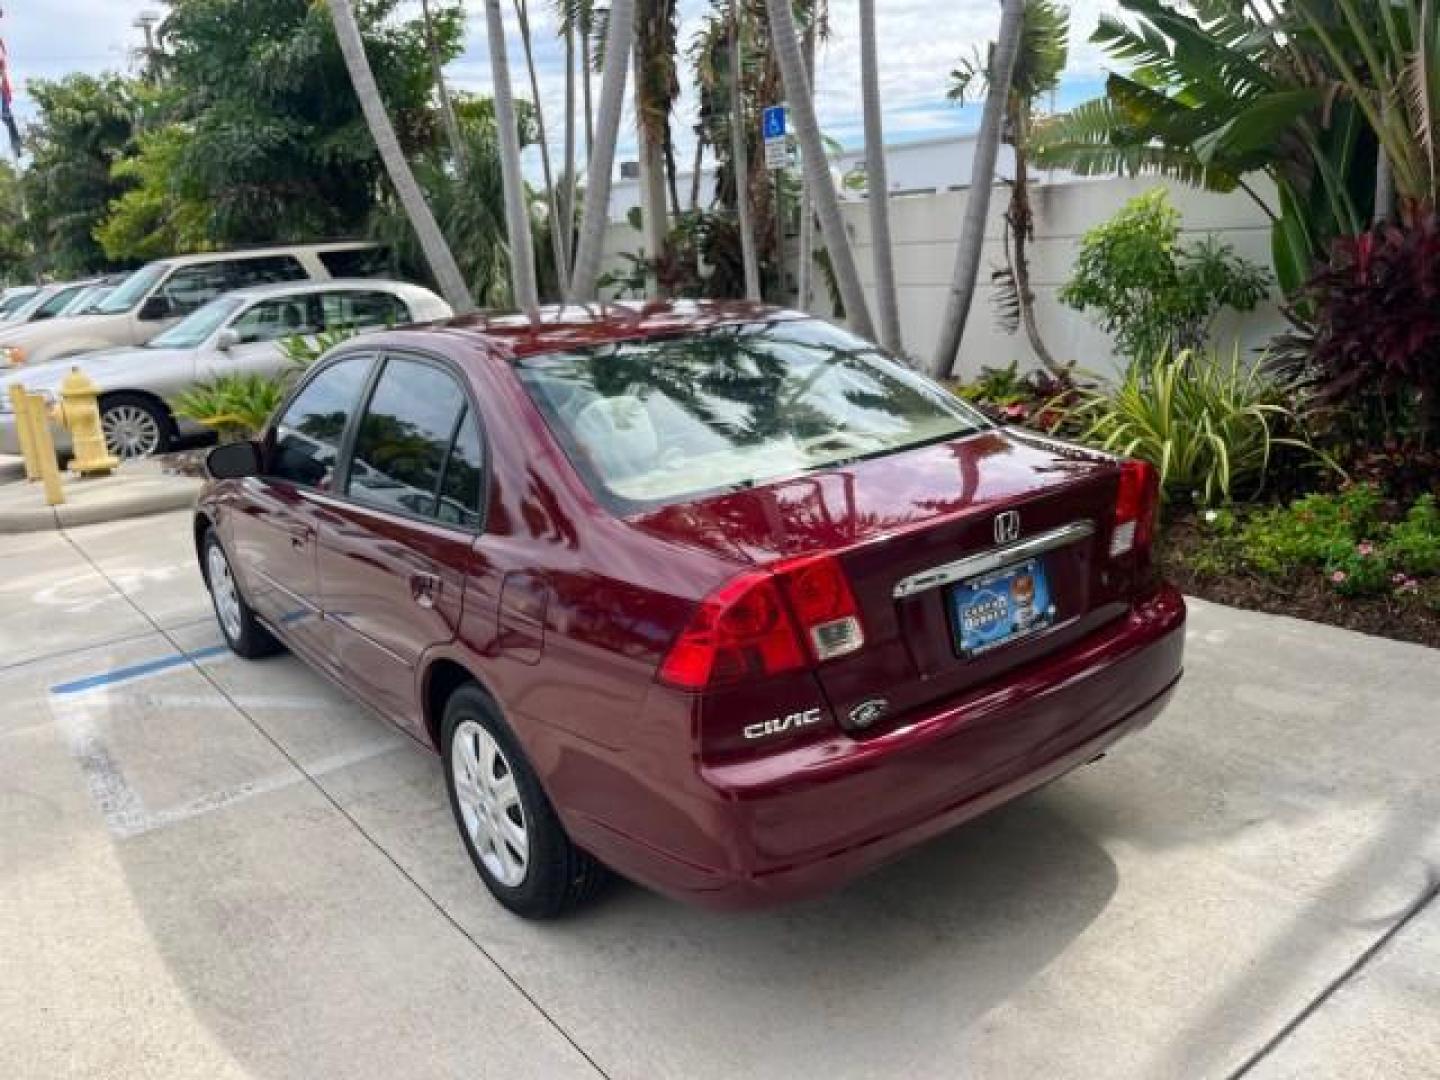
(1001, 607)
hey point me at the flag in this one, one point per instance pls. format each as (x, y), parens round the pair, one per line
(7, 98)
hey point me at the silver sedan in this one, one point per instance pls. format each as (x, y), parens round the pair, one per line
(239, 333)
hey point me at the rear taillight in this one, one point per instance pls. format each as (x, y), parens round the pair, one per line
(766, 623)
(1135, 507)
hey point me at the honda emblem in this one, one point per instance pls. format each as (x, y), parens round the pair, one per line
(1007, 527)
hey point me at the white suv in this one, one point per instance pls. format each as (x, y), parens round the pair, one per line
(159, 294)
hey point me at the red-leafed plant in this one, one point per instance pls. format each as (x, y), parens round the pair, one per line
(1375, 355)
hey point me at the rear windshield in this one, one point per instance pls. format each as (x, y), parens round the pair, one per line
(665, 420)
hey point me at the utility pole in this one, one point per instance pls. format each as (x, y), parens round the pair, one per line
(146, 22)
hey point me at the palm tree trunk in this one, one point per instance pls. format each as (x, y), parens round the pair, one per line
(805, 273)
(517, 217)
(566, 224)
(977, 203)
(596, 217)
(817, 168)
(447, 107)
(1022, 228)
(586, 93)
(562, 272)
(877, 194)
(655, 218)
(432, 242)
(740, 158)
(695, 174)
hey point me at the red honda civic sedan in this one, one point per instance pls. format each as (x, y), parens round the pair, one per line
(718, 596)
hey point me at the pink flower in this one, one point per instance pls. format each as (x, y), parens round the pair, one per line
(1014, 412)
(1410, 585)
(1339, 577)
(1398, 579)
(1365, 549)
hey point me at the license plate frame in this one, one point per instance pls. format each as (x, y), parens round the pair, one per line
(1000, 607)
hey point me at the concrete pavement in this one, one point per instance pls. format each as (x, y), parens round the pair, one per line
(213, 868)
(135, 489)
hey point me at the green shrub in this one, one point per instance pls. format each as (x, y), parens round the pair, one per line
(1152, 292)
(1209, 425)
(236, 406)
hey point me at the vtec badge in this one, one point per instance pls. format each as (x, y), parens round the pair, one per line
(868, 714)
(781, 724)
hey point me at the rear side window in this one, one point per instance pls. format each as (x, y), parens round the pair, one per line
(369, 262)
(406, 445)
(308, 434)
(353, 310)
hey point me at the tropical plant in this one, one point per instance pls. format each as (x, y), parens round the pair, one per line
(740, 152)
(442, 89)
(977, 202)
(302, 351)
(1209, 423)
(786, 44)
(657, 85)
(156, 217)
(619, 41)
(1150, 290)
(235, 406)
(517, 217)
(1044, 51)
(1374, 347)
(878, 186)
(432, 242)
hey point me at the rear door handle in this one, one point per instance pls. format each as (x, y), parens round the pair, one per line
(300, 536)
(424, 589)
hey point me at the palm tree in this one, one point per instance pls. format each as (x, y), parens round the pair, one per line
(1044, 50)
(805, 273)
(786, 44)
(619, 36)
(740, 156)
(656, 87)
(878, 184)
(432, 242)
(437, 67)
(522, 15)
(517, 217)
(977, 204)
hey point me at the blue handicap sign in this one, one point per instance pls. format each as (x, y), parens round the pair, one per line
(773, 123)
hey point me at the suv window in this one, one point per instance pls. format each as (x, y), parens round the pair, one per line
(307, 437)
(366, 262)
(405, 439)
(350, 309)
(189, 287)
(57, 303)
(274, 320)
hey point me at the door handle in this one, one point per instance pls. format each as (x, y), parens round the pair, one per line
(301, 536)
(424, 589)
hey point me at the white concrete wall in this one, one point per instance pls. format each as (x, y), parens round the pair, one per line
(926, 231)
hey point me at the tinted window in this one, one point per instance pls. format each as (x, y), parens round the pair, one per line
(133, 289)
(273, 320)
(464, 471)
(350, 310)
(58, 302)
(307, 437)
(404, 438)
(666, 419)
(191, 286)
(366, 262)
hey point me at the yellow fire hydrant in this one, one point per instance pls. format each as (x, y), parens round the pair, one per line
(79, 411)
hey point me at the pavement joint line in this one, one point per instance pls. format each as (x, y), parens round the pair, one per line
(124, 639)
(1424, 900)
(349, 817)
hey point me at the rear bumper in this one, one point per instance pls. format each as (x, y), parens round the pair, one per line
(805, 821)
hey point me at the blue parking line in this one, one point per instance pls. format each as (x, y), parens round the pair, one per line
(135, 671)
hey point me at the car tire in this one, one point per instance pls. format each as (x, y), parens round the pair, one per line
(554, 876)
(135, 426)
(242, 631)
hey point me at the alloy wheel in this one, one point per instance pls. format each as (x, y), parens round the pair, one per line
(227, 596)
(130, 431)
(490, 803)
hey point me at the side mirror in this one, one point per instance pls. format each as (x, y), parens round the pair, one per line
(234, 461)
(157, 309)
(227, 339)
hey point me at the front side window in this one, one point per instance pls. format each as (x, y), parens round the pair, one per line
(133, 289)
(275, 320)
(663, 420)
(58, 302)
(404, 439)
(307, 436)
(196, 328)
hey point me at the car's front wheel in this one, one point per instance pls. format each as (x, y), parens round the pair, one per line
(135, 426)
(243, 632)
(510, 829)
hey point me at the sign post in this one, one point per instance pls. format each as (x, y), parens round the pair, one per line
(775, 128)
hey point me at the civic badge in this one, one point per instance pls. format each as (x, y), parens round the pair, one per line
(1007, 527)
(868, 713)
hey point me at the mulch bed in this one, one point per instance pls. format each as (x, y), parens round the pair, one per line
(1303, 595)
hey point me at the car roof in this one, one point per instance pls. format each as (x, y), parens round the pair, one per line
(556, 328)
(300, 288)
(260, 252)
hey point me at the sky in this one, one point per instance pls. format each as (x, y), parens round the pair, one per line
(920, 42)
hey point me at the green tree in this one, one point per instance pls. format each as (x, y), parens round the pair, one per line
(17, 253)
(85, 125)
(153, 219)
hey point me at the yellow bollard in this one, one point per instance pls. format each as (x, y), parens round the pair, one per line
(79, 411)
(44, 447)
(22, 431)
